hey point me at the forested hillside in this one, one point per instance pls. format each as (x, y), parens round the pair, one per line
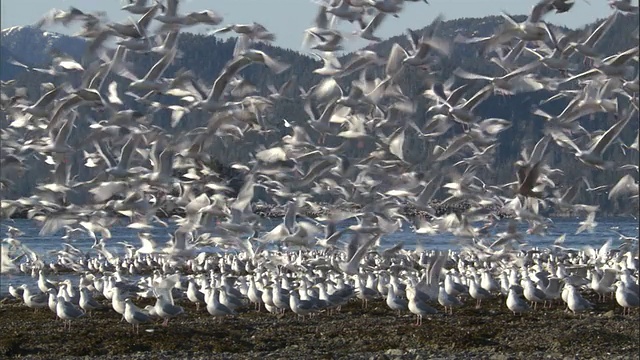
(205, 56)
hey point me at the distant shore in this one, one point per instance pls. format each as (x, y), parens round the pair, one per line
(273, 211)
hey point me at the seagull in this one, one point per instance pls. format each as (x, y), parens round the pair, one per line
(165, 309)
(367, 32)
(87, 302)
(350, 267)
(593, 155)
(214, 307)
(152, 80)
(418, 307)
(515, 303)
(134, 315)
(299, 307)
(477, 292)
(624, 6)
(448, 301)
(576, 302)
(626, 298)
(138, 7)
(67, 311)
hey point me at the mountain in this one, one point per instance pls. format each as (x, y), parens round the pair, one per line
(8, 70)
(31, 46)
(206, 56)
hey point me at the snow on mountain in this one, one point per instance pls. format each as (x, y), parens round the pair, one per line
(31, 45)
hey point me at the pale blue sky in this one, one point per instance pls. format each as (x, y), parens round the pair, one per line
(288, 18)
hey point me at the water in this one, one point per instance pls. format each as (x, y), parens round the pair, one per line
(120, 233)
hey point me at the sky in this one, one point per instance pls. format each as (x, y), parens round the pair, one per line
(288, 19)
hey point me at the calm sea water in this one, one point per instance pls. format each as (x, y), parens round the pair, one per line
(603, 232)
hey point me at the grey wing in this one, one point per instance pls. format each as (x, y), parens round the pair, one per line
(597, 34)
(40, 298)
(127, 150)
(479, 97)
(609, 277)
(362, 250)
(47, 98)
(373, 25)
(141, 317)
(290, 216)
(72, 311)
(225, 309)
(104, 152)
(61, 171)
(611, 134)
(538, 151)
(540, 10)
(456, 95)
(180, 240)
(223, 79)
(65, 130)
(352, 247)
(413, 38)
(173, 310)
(93, 303)
(166, 162)
(157, 69)
(554, 285)
(394, 61)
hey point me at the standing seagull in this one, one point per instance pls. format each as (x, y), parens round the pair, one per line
(515, 303)
(67, 311)
(418, 307)
(166, 309)
(134, 316)
(626, 298)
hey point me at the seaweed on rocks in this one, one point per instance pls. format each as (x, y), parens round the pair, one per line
(356, 333)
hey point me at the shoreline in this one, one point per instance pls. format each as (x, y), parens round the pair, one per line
(491, 332)
(275, 212)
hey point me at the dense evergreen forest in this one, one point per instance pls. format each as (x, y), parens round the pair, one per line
(205, 56)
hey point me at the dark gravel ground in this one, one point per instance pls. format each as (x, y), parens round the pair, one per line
(491, 332)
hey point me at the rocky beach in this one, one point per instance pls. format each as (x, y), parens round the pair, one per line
(491, 332)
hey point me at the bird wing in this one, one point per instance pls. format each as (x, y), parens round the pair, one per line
(611, 134)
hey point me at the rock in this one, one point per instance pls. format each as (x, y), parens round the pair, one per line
(394, 352)
(499, 357)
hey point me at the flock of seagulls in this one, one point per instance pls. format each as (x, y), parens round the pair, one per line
(309, 265)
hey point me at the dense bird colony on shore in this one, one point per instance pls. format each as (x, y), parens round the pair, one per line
(314, 266)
